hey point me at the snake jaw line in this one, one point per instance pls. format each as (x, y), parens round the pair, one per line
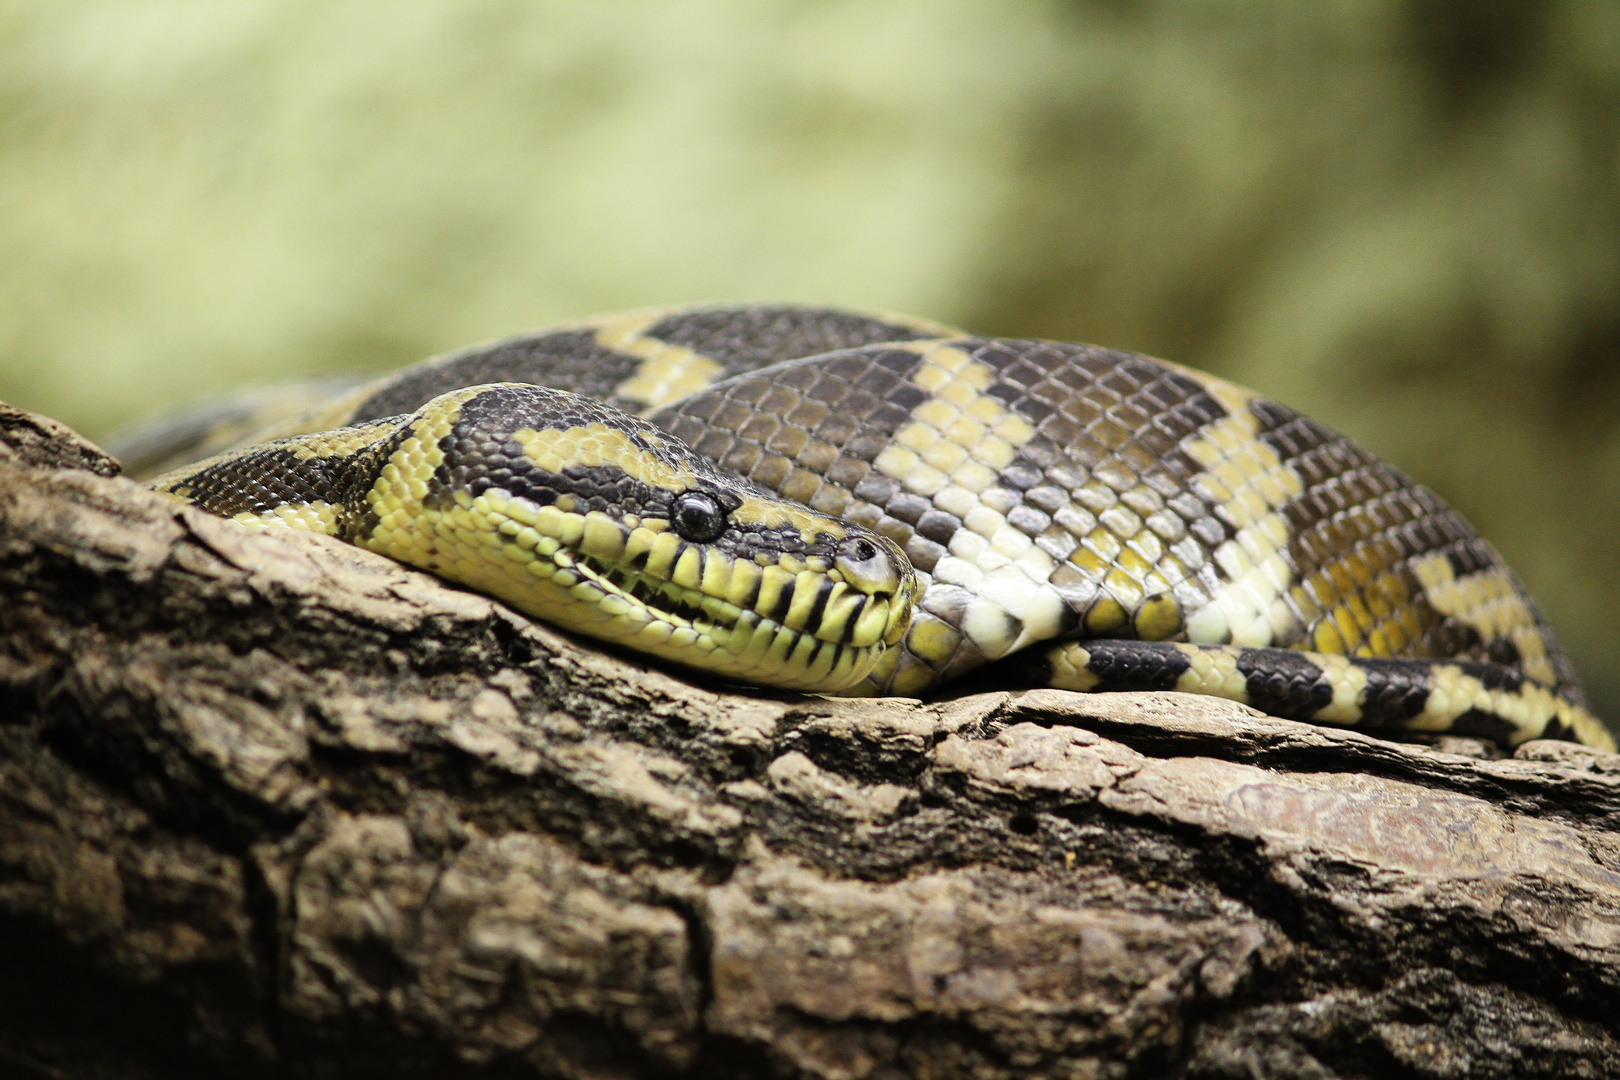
(798, 625)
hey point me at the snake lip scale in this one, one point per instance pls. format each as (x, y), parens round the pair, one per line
(838, 501)
(671, 601)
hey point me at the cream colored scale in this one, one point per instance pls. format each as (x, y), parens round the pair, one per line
(1490, 603)
(1147, 569)
(951, 452)
(1246, 480)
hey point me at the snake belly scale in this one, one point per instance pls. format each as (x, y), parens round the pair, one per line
(830, 500)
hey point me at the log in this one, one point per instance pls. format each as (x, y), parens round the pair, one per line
(271, 805)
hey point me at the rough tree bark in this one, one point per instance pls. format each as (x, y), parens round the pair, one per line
(274, 806)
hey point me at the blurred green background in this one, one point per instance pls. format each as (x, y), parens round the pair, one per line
(1402, 216)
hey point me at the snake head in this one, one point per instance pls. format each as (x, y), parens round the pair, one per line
(601, 523)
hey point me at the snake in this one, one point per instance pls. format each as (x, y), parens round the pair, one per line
(827, 500)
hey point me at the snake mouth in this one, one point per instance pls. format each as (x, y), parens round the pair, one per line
(667, 618)
(802, 622)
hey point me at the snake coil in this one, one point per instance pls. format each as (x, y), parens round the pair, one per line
(830, 500)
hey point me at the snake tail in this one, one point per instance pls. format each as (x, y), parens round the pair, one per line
(1482, 699)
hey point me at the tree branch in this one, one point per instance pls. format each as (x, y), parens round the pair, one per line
(274, 805)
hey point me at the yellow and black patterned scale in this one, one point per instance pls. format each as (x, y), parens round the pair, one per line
(834, 501)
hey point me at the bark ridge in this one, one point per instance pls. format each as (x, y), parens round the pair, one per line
(278, 806)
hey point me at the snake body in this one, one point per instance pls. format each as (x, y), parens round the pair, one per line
(831, 500)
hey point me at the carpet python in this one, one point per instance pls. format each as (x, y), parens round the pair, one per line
(835, 501)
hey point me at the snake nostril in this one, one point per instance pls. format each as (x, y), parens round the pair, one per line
(858, 550)
(872, 565)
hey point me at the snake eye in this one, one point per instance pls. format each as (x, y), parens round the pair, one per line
(697, 517)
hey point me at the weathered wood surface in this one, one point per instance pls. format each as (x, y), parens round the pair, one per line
(273, 806)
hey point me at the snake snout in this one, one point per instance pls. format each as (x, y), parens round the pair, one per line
(876, 566)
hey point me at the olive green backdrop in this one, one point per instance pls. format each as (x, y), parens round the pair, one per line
(1401, 217)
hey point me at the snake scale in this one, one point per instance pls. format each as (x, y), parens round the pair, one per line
(830, 500)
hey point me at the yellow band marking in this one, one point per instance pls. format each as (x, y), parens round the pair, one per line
(315, 517)
(1069, 668)
(1349, 683)
(956, 443)
(1250, 484)
(595, 445)
(1213, 672)
(1490, 603)
(667, 372)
